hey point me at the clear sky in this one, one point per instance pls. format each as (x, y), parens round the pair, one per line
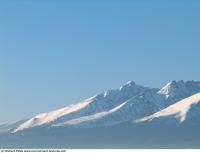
(54, 53)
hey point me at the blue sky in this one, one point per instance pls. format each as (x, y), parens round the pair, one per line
(54, 53)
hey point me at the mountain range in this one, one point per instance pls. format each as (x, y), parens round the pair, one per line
(132, 116)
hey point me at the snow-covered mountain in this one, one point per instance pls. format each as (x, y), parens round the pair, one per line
(186, 109)
(177, 90)
(129, 102)
(100, 103)
(132, 116)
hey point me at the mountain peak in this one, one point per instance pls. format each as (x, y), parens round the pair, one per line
(117, 105)
(175, 83)
(128, 84)
(178, 110)
(172, 87)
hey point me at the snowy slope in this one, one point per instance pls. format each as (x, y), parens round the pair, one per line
(8, 127)
(99, 103)
(178, 110)
(91, 117)
(135, 107)
(177, 90)
(129, 102)
(48, 117)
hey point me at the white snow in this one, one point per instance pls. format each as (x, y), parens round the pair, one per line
(98, 104)
(175, 89)
(50, 116)
(179, 109)
(166, 89)
(91, 117)
(124, 104)
(128, 84)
